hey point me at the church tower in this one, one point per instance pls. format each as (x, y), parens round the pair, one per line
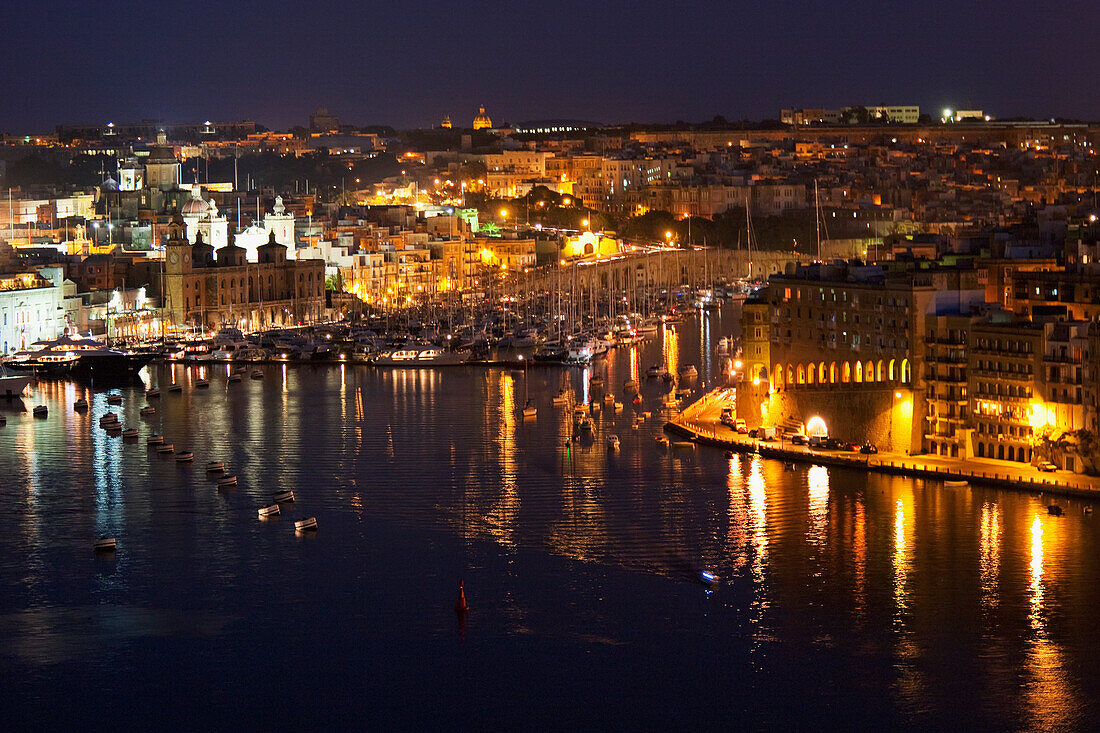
(177, 265)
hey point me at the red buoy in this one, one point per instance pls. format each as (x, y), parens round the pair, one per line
(460, 607)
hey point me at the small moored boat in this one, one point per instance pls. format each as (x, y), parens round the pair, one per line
(956, 484)
(80, 404)
(130, 433)
(269, 511)
(202, 383)
(1054, 510)
(215, 467)
(166, 449)
(155, 439)
(40, 411)
(309, 524)
(114, 399)
(234, 378)
(284, 497)
(227, 481)
(185, 456)
(152, 393)
(257, 374)
(175, 387)
(105, 544)
(147, 410)
(530, 410)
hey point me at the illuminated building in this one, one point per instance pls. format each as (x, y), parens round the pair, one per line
(201, 217)
(31, 306)
(507, 254)
(1003, 366)
(482, 121)
(847, 341)
(213, 291)
(945, 379)
(445, 123)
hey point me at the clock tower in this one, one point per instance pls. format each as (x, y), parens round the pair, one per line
(177, 267)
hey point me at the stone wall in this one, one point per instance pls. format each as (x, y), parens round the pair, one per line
(858, 414)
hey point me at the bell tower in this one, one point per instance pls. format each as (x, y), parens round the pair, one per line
(177, 266)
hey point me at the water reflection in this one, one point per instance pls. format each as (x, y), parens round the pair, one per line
(1050, 696)
(900, 592)
(990, 552)
(818, 480)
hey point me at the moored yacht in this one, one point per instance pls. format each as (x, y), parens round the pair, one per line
(12, 384)
(76, 354)
(418, 357)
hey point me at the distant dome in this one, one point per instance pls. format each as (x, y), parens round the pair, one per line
(110, 184)
(482, 121)
(445, 122)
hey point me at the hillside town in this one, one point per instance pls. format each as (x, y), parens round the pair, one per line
(939, 272)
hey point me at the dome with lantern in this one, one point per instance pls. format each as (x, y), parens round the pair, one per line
(195, 206)
(482, 121)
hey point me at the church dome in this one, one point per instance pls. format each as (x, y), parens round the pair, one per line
(482, 121)
(195, 206)
(445, 122)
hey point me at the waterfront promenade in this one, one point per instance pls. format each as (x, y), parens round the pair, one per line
(701, 422)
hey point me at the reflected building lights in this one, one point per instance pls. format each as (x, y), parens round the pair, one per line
(1050, 695)
(500, 520)
(758, 515)
(818, 480)
(1035, 587)
(990, 552)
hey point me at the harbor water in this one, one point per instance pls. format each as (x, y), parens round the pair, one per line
(844, 599)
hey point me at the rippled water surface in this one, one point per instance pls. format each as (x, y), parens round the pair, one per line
(846, 599)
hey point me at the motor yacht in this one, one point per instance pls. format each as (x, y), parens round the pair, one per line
(420, 357)
(76, 354)
(13, 384)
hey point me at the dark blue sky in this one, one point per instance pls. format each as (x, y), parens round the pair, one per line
(408, 62)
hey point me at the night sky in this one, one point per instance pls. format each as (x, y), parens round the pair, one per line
(408, 62)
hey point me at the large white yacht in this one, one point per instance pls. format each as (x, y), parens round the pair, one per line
(12, 384)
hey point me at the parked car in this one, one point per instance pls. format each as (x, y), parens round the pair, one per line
(819, 441)
(754, 432)
(1047, 467)
(835, 444)
(798, 439)
(868, 448)
(740, 426)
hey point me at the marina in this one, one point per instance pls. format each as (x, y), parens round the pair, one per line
(719, 569)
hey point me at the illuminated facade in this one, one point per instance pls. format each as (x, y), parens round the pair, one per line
(482, 121)
(1003, 367)
(212, 290)
(31, 308)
